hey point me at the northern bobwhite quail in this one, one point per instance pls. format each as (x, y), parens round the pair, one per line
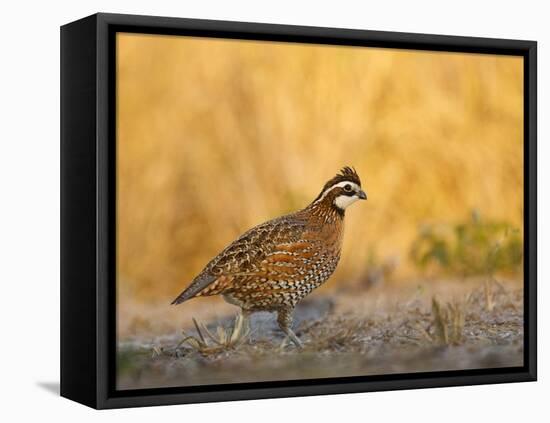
(274, 265)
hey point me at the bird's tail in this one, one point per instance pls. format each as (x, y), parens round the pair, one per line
(198, 284)
(181, 298)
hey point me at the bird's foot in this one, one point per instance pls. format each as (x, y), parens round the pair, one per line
(284, 319)
(292, 337)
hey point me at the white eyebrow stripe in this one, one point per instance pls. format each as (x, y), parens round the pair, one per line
(339, 184)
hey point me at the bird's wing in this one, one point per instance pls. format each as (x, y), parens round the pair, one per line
(248, 255)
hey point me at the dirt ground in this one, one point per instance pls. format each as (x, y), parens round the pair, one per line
(441, 325)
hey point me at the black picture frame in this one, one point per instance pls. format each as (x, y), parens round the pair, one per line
(88, 209)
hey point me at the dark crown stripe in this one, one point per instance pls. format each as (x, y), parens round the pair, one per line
(346, 174)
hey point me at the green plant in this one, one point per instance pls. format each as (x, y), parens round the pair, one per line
(475, 247)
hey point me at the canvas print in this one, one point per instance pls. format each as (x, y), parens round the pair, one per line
(296, 211)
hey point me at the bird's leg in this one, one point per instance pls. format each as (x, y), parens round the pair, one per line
(246, 320)
(284, 319)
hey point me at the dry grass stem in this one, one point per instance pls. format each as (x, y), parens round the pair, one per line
(448, 323)
(224, 339)
(489, 296)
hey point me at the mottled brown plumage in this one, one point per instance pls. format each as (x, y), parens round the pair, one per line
(276, 264)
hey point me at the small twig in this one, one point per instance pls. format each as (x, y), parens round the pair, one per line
(489, 300)
(211, 336)
(440, 321)
(187, 338)
(226, 339)
(199, 331)
(424, 332)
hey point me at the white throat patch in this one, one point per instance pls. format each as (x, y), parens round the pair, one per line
(343, 201)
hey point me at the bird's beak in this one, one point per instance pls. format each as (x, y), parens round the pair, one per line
(362, 195)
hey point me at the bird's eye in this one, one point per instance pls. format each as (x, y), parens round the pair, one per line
(347, 188)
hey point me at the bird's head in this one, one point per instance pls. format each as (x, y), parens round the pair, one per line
(342, 190)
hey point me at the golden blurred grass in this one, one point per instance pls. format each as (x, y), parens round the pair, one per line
(216, 136)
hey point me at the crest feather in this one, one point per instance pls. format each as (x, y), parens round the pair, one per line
(347, 173)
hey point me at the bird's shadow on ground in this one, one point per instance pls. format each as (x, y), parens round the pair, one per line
(51, 387)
